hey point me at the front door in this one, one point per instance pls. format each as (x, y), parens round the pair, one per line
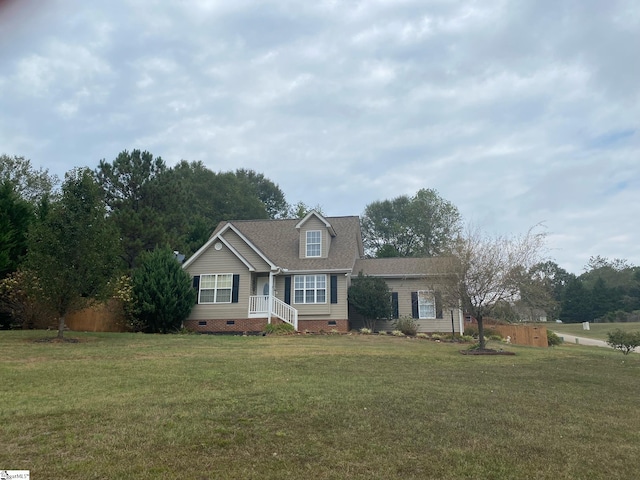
(262, 287)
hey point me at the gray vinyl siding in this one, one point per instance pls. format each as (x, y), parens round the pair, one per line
(404, 287)
(313, 223)
(247, 252)
(222, 261)
(439, 325)
(328, 310)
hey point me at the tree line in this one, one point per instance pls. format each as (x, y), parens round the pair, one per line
(103, 224)
(62, 247)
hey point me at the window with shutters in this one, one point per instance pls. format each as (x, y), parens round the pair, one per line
(426, 304)
(215, 288)
(310, 289)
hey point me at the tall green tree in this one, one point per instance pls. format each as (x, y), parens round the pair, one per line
(370, 297)
(301, 210)
(162, 292)
(576, 304)
(73, 251)
(134, 200)
(268, 192)
(422, 225)
(553, 276)
(611, 290)
(544, 286)
(201, 198)
(16, 215)
(28, 183)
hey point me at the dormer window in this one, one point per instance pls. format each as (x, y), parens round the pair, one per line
(314, 243)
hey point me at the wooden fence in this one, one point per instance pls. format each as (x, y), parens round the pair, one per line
(103, 317)
(532, 335)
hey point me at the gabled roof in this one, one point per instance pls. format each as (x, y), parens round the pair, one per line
(278, 243)
(313, 213)
(403, 267)
(217, 235)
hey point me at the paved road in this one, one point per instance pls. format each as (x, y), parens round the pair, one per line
(587, 341)
(583, 340)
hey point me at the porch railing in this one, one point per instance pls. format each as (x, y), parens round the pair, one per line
(259, 307)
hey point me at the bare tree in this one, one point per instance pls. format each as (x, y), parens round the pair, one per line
(489, 270)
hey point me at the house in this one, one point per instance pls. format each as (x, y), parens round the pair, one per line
(416, 290)
(254, 272)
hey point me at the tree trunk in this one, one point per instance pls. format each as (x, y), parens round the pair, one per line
(481, 332)
(61, 327)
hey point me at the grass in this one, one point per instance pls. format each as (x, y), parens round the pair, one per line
(329, 407)
(596, 331)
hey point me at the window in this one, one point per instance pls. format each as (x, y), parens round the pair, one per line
(395, 306)
(426, 305)
(314, 239)
(216, 288)
(310, 289)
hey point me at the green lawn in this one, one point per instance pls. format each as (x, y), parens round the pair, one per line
(313, 407)
(596, 330)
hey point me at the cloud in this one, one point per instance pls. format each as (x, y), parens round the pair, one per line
(517, 113)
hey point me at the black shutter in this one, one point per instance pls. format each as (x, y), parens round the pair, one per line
(235, 289)
(334, 289)
(438, 296)
(287, 290)
(196, 286)
(394, 305)
(414, 305)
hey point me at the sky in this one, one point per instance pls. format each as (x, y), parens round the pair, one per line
(520, 113)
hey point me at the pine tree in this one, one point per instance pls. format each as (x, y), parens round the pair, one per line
(162, 291)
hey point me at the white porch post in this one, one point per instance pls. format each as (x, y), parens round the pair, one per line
(270, 302)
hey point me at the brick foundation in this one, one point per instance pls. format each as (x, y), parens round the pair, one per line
(235, 325)
(252, 325)
(316, 326)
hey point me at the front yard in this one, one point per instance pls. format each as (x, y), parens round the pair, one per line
(324, 407)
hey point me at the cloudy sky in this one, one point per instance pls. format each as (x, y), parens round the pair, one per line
(518, 112)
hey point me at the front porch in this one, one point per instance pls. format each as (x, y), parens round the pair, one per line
(267, 306)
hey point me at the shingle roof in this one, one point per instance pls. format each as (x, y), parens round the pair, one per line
(403, 267)
(279, 241)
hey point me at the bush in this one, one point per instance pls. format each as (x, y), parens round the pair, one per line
(472, 331)
(22, 304)
(626, 342)
(365, 331)
(407, 326)
(553, 339)
(279, 329)
(162, 292)
(422, 335)
(397, 333)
